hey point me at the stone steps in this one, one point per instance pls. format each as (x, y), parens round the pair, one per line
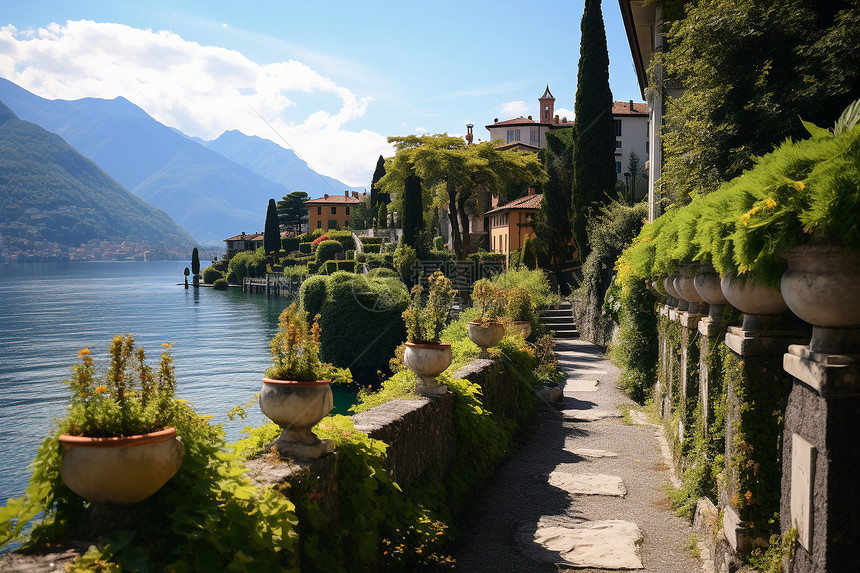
(560, 321)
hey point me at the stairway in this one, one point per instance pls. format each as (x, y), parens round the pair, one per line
(560, 321)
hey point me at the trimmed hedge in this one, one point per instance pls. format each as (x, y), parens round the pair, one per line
(442, 255)
(345, 300)
(305, 247)
(348, 266)
(342, 237)
(330, 267)
(290, 244)
(211, 274)
(371, 241)
(327, 251)
(349, 254)
(220, 284)
(372, 248)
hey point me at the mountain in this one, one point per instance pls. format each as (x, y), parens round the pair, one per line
(275, 163)
(205, 192)
(53, 198)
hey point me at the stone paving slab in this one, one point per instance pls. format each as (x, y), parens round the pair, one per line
(590, 453)
(610, 544)
(588, 484)
(580, 385)
(589, 415)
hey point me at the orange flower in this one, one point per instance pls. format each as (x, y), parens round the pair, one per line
(101, 389)
(84, 351)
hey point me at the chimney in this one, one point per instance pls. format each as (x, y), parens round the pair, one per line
(531, 191)
(469, 134)
(346, 194)
(631, 105)
(555, 119)
(326, 195)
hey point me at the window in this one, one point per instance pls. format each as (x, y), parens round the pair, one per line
(513, 135)
(617, 128)
(617, 144)
(617, 167)
(347, 210)
(534, 138)
(494, 243)
(332, 224)
(319, 210)
(319, 223)
(334, 210)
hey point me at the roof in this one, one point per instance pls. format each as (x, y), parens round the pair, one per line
(623, 108)
(335, 199)
(246, 237)
(547, 94)
(527, 202)
(519, 146)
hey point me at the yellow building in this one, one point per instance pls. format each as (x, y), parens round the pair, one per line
(511, 223)
(332, 211)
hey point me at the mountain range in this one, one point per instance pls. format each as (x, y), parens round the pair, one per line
(212, 189)
(52, 198)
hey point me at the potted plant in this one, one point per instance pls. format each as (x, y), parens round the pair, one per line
(119, 443)
(519, 308)
(489, 298)
(425, 354)
(296, 390)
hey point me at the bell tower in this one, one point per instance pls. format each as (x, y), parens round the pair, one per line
(547, 106)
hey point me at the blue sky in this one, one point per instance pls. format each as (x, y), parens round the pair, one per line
(330, 79)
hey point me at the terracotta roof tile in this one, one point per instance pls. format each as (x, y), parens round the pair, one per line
(623, 108)
(527, 202)
(246, 237)
(340, 199)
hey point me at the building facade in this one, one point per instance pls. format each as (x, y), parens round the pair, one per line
(243, 242)
(511, 223)
(333, 211)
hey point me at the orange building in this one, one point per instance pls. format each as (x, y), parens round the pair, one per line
(332, 211)
(511, 223)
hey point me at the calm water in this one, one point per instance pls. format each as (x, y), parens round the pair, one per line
(50, 311)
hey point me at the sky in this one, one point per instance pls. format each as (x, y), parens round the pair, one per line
(330, 79)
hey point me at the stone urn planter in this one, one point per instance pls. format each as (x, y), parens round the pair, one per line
(683, 283)
(428, 361)
(485, 334)
(669, 285)
(120, 471)
(822, 286)
(707, 284)
(521, 328)
(297, 406)
(754, 300)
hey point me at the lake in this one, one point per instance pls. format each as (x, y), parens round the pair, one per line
(49, 311)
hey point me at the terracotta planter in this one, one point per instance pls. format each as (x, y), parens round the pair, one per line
(707, 284)
(821, 286)
(297, 406)
(120, 471)
(485, 334)
(521, 328)
(428, 361)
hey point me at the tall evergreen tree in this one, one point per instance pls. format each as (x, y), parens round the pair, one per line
(382, 217)
(413, 212)
(292, 212)
(375, 195)
(594, 143)
(271, 232)
(552, 225)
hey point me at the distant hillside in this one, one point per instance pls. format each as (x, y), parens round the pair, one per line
(276, 164)
(205, 192)
(51, 196)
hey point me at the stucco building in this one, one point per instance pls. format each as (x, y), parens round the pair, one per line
(511, 223)
(333, 211)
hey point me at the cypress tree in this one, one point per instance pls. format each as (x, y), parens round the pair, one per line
(382, 217)
(529, 258)
(413, 213)
(195, 266)
(552, 225)
(594, 138)
(271, 232)
(378, 174)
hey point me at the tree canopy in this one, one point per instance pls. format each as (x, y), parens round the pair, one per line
(552, 225)
(292, 212)
(458, 172)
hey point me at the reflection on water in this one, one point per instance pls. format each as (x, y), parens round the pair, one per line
(50, 311)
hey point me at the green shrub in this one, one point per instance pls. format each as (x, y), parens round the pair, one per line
(327, 251)
(296, 270)
(246, 264)
(529, 257)
(348, 266)
(211, 274)
(313, 267)
(343, 237)
(371, 248)
(438, 243)
(350, 300)
(382, 272)
(442, 255)
(534, 281)
(330, 267)
(371, 240)
(312, 294)
(220, 284)
(349, 254)
(290, 244)
(305, 247)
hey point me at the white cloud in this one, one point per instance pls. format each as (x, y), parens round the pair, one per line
(201, 90)
(420, 131)
(562, 113)
(514, 109)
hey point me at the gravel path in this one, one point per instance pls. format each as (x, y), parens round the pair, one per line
(499, 535)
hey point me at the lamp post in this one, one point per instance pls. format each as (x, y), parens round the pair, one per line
(627, 185)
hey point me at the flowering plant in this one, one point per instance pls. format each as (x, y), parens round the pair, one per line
(296, 349)
(489, 298)
(518, 303)
(130, 399)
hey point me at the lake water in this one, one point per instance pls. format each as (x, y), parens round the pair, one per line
(49, 311)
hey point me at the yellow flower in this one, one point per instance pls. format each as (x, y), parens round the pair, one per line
(799, 185)
(745, 218)
(771, 203)
(101, 389)
(753, 211)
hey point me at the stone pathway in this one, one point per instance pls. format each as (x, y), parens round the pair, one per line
(585, 494)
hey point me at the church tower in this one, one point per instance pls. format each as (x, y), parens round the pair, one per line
(547, 106)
